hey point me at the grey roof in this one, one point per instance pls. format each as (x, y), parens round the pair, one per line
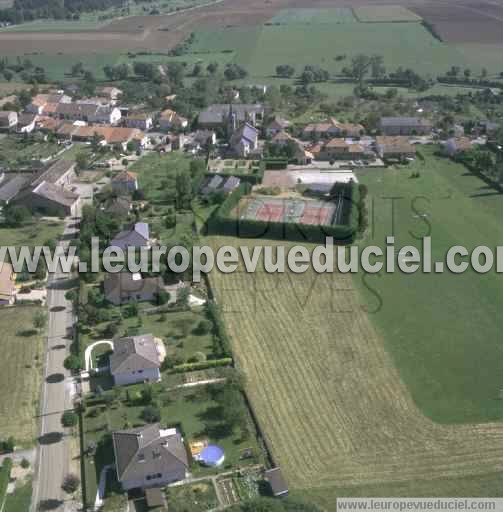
(245, 133)
(231, 183)
(217, 113)
(77, 109)
(276, 481)
(55, 194)
(25, 119)
(133, 354)
(54, 172)
(12, 187)
(143, 451)
(404, 121)
(136, 235)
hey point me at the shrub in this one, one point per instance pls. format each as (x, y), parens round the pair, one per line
(70, 483)
(203, 365)
(151, 414)
(72, 362)
(69, 419)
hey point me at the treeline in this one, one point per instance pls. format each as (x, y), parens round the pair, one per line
(29, 10)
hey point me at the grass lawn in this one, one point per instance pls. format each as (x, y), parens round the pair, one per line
(16, 150)
(193, 410)
(197, 497)
(20, 500)
(35, 232)
(449, 324)
(22, 351)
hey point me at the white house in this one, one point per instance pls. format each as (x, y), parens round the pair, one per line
(8, 120)
(135, 359)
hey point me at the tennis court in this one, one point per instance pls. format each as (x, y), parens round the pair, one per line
(288, 210)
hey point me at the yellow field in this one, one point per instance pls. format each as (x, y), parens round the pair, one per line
(327, 395)
(21, 375)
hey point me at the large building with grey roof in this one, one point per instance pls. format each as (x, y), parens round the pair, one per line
(135, 359)
(149, 456)
(217, 116)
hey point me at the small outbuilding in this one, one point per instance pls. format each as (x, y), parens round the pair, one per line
(277, 482)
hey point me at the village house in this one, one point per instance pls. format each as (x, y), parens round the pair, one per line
(8, 120)
(217, 116)
(124, 287)
(113, 93)
(48, 192)
(88, 112)
(300, 155)
(137, 236)
(41, 103)
(7, 284)
(405, 126)
(332, 128)
(135, 359)
(244, 141)
(339, 149)
(111, 135)
(126, 182)
(170, 120)
(394, 148)
(275, 126)
(141, 120)
(149, 456)
(26, 123)
(457, 145)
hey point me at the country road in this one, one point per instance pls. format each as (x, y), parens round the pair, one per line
(53, 457)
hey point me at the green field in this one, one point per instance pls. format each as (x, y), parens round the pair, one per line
(261, 49)
(449, 325)
(313, 16)
(19, 150)
(22, 352)
(385, 13)
(20, 500)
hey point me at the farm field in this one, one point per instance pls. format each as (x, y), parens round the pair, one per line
(377, 426)
(22, 352)
(305, 16)
(261, 49)
(384, 13)
(18, 150)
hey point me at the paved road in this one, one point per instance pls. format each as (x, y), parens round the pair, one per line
(53, 455)
(57, 391)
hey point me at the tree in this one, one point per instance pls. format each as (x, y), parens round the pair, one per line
(483, 73)
(8, 75)
(182, 296)
(151, 414)
(212, 68)
(77, 69)
(39, 320)
(183, 186)
(71, 295)
(82, 160)
(467, 72)
(377, 69)
(16, 215)
(203, 327)
(70, 483)
(69, 419)
(162, 297)
(72, 362)
(285, 71)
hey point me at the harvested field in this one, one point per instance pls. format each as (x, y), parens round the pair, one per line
(159, 33)
(465, 21)
(335, 411)
(384, 13)
(21, 347)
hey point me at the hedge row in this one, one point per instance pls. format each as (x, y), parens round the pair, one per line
(222, 222)
(222, 341)
(5, 477)
(204, 365)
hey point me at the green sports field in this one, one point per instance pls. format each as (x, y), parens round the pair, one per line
(385, 13)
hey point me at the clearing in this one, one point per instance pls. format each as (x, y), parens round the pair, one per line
(21, 347)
